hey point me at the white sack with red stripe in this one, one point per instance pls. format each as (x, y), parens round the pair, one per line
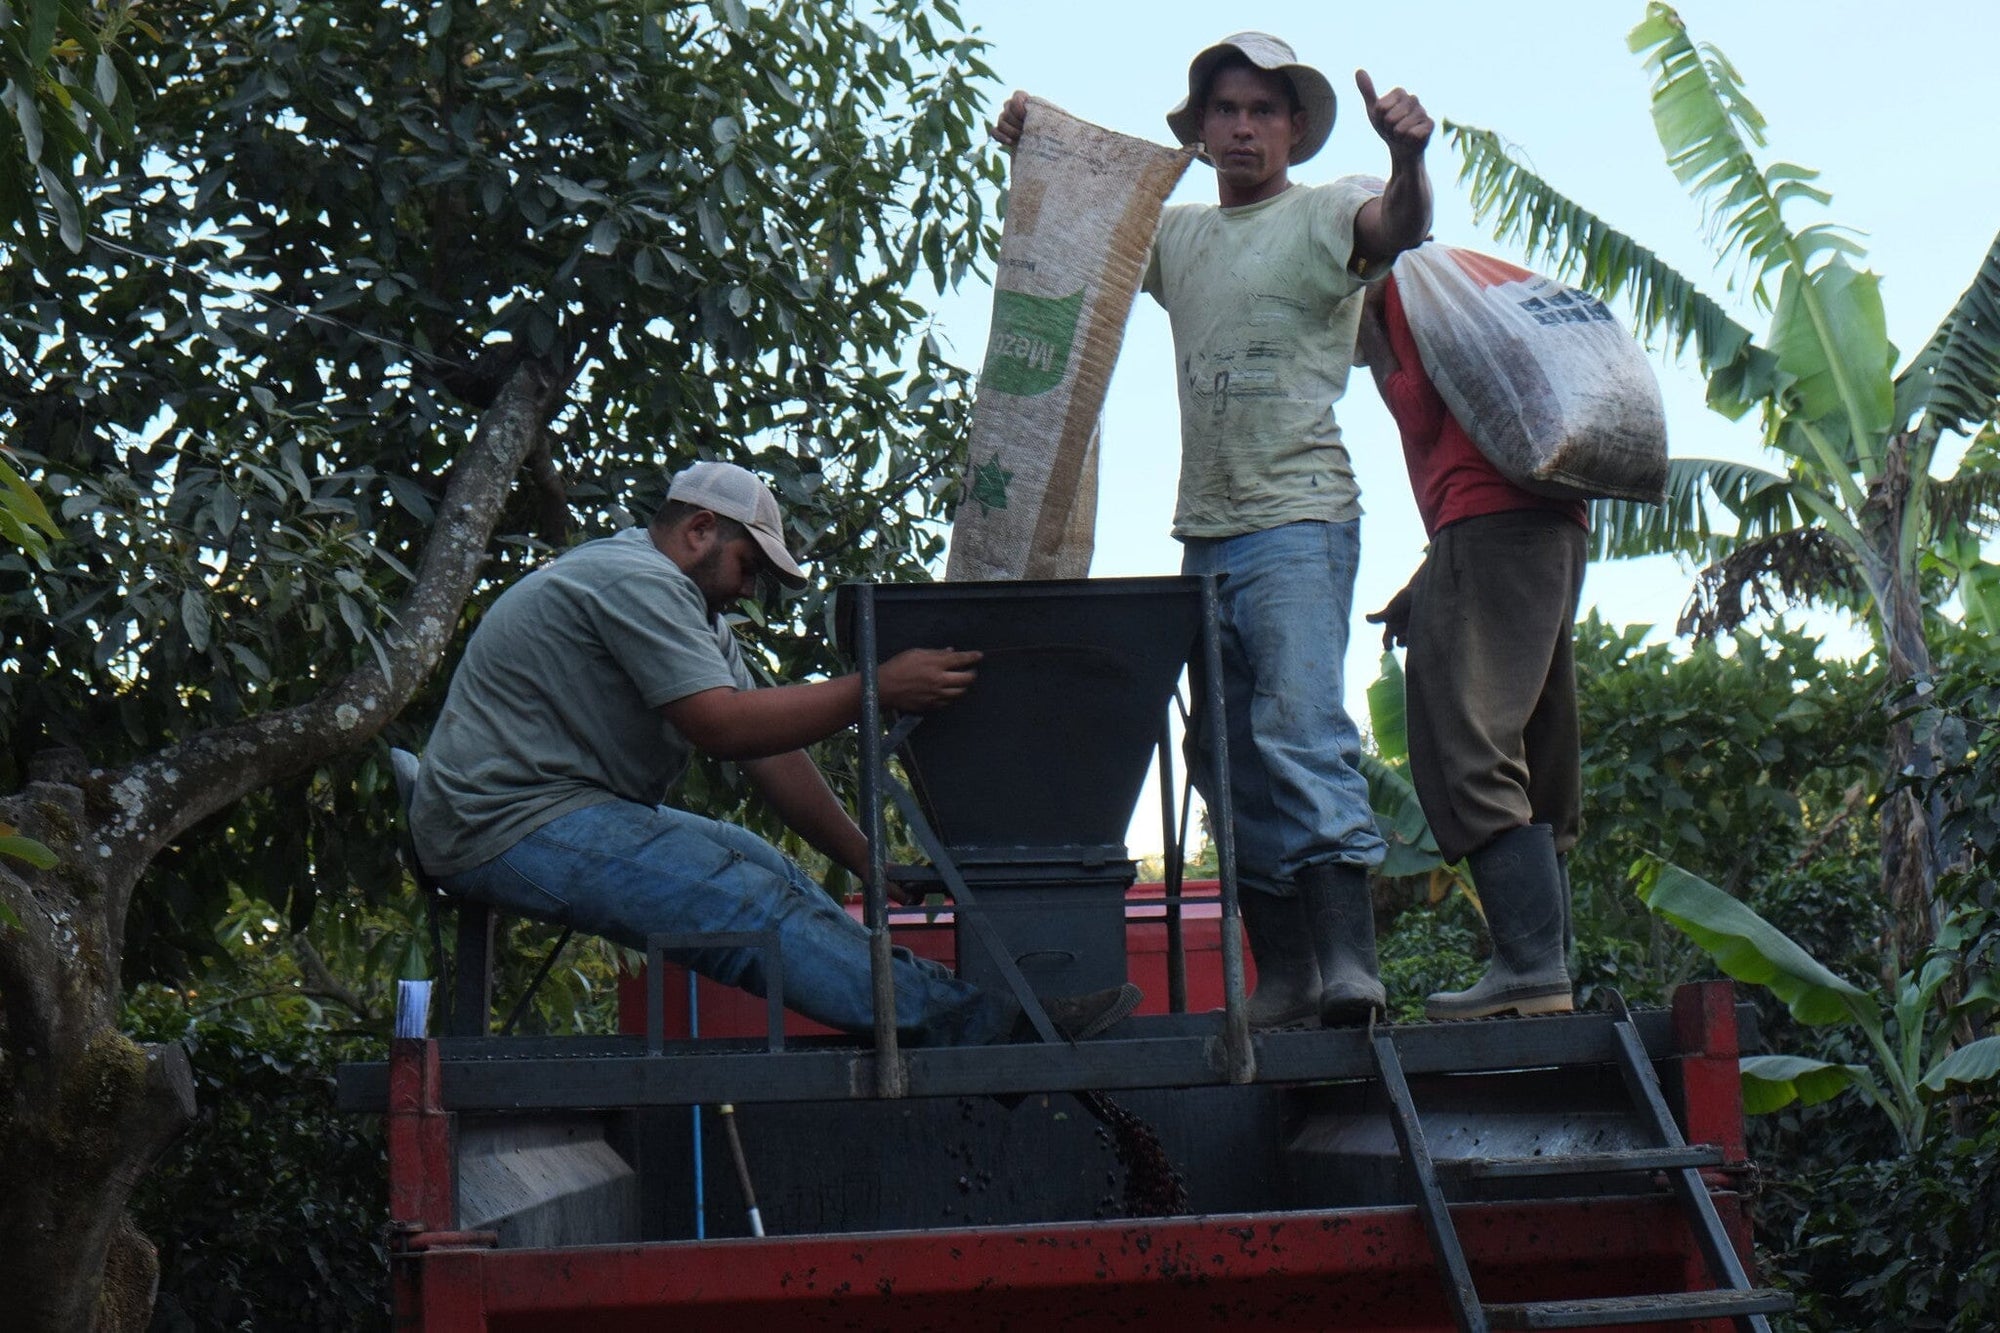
(1544, 379)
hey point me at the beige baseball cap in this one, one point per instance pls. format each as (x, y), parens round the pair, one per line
(1265, 52)
(738, 493)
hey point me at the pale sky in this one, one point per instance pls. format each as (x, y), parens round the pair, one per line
(1892, 104)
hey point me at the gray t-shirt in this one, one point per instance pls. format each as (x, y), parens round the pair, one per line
(1264, 310)
(556, 704)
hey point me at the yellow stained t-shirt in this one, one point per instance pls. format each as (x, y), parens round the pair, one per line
(1264, 311)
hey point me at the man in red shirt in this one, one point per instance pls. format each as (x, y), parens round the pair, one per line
(1490, 680)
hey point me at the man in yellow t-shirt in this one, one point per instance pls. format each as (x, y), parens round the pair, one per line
(1263, 290)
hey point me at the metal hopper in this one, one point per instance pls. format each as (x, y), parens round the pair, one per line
(1050, 748)
(1029, 781)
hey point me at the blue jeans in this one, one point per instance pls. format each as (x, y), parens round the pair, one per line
(1294, 754)
(626, 871)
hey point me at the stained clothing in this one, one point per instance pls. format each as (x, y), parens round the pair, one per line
(1490, 680)
(1295, 783)
(541, 792)
(1264, 309)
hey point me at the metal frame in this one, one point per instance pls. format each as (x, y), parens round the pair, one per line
(877, 783)
(1733, 1298)
(1279, 1267)
(1165, 1051)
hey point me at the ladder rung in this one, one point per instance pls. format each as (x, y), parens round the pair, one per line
(1666, 1308)
(1579, 1164)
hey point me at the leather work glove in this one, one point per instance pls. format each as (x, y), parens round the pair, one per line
(1394, 620)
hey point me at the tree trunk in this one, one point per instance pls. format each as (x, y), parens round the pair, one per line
(1910, 856)
(84, 1111)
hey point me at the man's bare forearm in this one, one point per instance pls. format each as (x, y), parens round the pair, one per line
(797, 790)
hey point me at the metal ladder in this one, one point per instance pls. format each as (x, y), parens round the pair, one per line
(1734, 1297)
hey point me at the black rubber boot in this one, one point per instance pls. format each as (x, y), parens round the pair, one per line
(1520, 886)
(1342, 917)
(1287, 972)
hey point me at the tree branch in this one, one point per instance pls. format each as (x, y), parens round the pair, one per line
(157, 798)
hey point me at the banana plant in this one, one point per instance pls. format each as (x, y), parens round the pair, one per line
(1910, 1035)
(1413, 851)
(1849, 513)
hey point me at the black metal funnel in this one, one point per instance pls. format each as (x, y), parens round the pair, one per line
(1049, 748)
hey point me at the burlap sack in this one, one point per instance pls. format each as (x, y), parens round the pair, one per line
(1551, 388)
(1082, 207)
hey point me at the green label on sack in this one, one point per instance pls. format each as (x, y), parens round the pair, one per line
(1029, 351)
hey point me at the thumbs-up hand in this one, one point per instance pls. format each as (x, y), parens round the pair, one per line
(1397, 116)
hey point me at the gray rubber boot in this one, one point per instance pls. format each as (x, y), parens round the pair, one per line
(1569, 929)
(1342, 917)
(1521, 888)
(1287, 972)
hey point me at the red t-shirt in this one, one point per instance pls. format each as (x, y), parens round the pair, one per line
(1450, 478)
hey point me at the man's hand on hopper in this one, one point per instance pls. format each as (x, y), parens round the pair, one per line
(921, 680)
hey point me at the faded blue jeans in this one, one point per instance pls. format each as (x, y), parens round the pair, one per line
(626, 871)
(1294, 754)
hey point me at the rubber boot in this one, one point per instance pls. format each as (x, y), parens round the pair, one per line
(1287, 972)
(1520, 886)
(1569, 929)
(1342, 916)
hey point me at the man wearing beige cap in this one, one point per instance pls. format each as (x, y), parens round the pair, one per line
(1264, 293)
(581, 697)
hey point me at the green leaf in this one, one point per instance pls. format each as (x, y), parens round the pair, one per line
(20, 499)
(1971, 1065)
(1772, 1082)
(1954, 383)
(1858, 352)
(1708, 128)
(194, 618)
(1751, 949)
(1400, 817)
(1387, 712)
(1762, 503)
(1583, 249)
(28, 850)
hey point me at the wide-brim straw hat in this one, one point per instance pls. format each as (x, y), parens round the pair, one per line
(1265, 52)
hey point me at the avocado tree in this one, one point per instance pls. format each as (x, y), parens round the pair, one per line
(1849, 512)
(381, 304)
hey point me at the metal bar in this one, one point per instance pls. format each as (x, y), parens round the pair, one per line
(1580, 1164)
(974, 915)
(1723, 1264)
(764, 942)
(728, 1114)
(541, 975)
(1678, 1308)
(1173, 861)
(1458, 1290)
(594, 1072)
(472, 972)
(697, 1175)
(890, 1077)
(1242, 1057)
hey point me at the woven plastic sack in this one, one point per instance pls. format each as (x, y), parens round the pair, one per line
(1082, 206)
(1543, 378)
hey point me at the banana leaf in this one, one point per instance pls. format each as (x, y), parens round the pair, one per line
(1399, 816)
(1969, 1066)
(1751, 949)
(1773, 1082)
(1387, 715)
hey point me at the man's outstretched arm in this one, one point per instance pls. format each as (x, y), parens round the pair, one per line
(737, 724)
(1400, 218)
